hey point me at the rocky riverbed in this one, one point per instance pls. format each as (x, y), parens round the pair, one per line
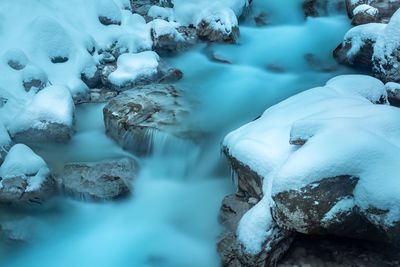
(118, 144)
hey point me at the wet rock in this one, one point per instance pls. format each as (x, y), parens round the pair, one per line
(49, 117)
(135, 116)
(25, 178)
(101, 95)
(33, 78)
(100, 181)
(23, 230)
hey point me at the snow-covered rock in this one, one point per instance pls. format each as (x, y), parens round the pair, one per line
(33, 78)
(25, 177)
(166, 38)
(136, 116)
(140, 69)
(218, 25)
(393, 91)
(373, 46)
(16, 59)
(328, 160)
(367, 11)
(102, 181)
(108, 12)
(47, 118)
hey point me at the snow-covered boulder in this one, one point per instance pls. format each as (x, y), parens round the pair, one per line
(364, 14)
(135, 116)
(367, 11)
(25, 177)
(374, 47)
(220, 25)
(166, 38)
(140, 69)
(328, 163)
(47, 118)
(101, 181)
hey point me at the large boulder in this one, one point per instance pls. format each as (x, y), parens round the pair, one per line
(49, 117)
(135, 117)
(328, 168)
(373, 47)
(25, 178)
(101, 181)
(367, 11)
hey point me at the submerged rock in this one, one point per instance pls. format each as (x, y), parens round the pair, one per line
(102, 181)
(48, 117)
(136, 116)
(23, 230)
(25, 178)
(316, 8)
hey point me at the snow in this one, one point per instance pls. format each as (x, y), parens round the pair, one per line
(109, 9)
(161, 28)
(134, 66)
(392, 87)
(364, 8)
(361, 34)
(4, 137)
(53, 104)
(344, 134)
(223, 20)
(22, 161)
(342, 206)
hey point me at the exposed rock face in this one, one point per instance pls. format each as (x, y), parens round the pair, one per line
(361, 60)
(102, 181)
(249, 192)
(325, 207)
(367, 11)
(135, 116)
(25, 178)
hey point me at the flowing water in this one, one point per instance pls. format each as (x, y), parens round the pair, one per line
(171, 219)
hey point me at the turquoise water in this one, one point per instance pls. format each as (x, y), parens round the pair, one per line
(171, 219)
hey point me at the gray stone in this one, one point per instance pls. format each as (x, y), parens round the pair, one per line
(100, 181)
(135, 116)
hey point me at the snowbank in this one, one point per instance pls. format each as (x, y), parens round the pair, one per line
(335, 130)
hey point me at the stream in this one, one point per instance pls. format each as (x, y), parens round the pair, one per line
(172, 217)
